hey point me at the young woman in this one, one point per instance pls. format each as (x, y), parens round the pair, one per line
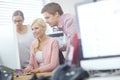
(24, 36)
(44, 50)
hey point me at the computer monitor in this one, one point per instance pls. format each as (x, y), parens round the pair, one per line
(9, 55)
(99, 29)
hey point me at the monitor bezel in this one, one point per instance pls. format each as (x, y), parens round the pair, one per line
(78, 24)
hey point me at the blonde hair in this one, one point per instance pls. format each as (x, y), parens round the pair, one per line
(42, 24)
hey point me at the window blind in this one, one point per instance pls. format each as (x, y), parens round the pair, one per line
(30, 8)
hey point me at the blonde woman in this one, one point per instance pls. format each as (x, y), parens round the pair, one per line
(44, 50)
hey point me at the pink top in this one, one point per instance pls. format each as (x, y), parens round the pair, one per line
(50, 56)
(68, 25)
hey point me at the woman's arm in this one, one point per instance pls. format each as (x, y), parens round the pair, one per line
(32, 62)
(54, 58)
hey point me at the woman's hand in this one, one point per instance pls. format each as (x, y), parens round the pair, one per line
(27, 70)
(37, 70)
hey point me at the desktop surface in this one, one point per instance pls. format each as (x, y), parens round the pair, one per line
(27, 77)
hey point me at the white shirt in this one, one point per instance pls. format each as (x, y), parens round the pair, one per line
(24, 41)
(39, 57)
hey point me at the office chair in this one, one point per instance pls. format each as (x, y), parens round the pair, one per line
(61, 58)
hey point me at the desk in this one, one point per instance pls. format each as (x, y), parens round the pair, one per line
(26, 77)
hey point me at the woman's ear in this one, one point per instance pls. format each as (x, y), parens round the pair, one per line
(44, 29)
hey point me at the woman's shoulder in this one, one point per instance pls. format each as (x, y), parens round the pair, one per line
(34, 42)
(52, 39)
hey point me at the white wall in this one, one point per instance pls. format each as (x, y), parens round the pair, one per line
(69, 6)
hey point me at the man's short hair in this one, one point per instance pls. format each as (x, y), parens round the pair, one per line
(52, 8)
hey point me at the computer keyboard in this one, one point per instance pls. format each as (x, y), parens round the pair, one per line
(103, 73)
(6, 73)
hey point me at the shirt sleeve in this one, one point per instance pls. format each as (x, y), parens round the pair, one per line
(70, 27)
(32, 62)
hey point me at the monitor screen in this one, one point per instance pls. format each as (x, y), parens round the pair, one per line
(9, 55)
(99, 29)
